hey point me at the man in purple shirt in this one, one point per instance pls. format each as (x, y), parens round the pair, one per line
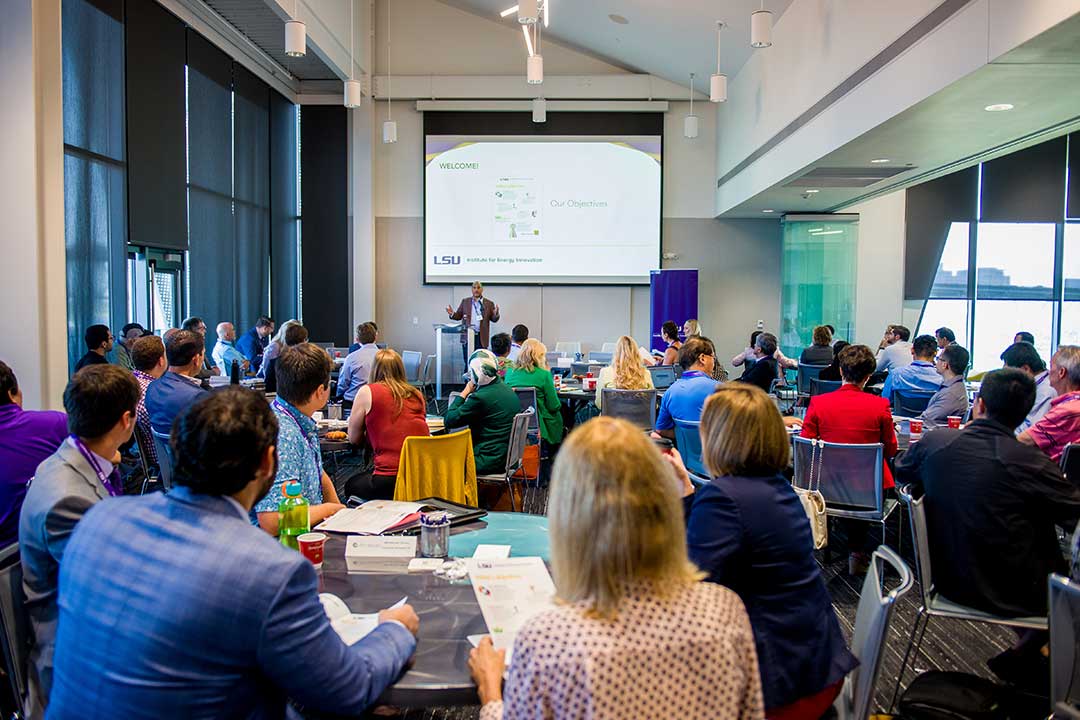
(26, 438)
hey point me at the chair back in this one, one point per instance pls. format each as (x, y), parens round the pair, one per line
(14, 625)
(144, 443)
(1064, 647)
(688, 441)
(571, 349)
(437, 466)
(600, 358)
(638, 407)
(910, 403)
(1070, 462)
(581, 368)
(412, 360)
(164, 458)
(846, 474)
(608, 347)
(807, 372)
(519, 436)
(919, 535)
(527, 398)
(820, 387)
(871, 628)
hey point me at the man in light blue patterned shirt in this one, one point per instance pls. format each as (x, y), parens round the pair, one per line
(225, 352)
(303, 387)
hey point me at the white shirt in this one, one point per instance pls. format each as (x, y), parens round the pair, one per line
(893, 356)
(1043, 395)
(477, 313)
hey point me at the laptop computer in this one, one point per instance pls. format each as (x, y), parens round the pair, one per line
(663, 376)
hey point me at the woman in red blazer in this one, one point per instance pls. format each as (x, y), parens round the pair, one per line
(849, 415)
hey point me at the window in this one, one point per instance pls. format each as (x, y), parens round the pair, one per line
(948, 305)
(1070, 309)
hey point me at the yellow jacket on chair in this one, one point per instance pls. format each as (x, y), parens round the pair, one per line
(440, 466)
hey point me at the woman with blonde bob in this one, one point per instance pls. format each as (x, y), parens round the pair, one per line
(634, 633)
(747, 531)
(626, 371)
(387, 409)
(532, 371)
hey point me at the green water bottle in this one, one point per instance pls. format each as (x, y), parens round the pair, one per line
(292, 512)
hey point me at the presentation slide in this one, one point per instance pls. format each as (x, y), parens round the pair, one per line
(532, 210)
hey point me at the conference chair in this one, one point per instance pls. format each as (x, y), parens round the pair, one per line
(638, 407)
(144, 442)
(1064, 647)
(425, 381)
(438, 466)
(872, 620)
(688, 442)
(910, 403)
(527, 398)
(515, 458)
(820, 387)
(806, 373)
(582, 368)
(165, 458)
(412, 360)
(1070, 461)
(568, 348)
(14, 627)
(933, 604)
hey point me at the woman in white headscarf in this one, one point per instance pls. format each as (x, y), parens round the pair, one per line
(487, 406)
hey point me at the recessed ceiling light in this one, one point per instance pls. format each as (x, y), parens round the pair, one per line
(768, 211)
(998, 107)
(879, 161)
(811, 191)
(618, 19)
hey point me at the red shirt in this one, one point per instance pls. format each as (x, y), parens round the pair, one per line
(1059, 426)
(387, 430)
(849, 415)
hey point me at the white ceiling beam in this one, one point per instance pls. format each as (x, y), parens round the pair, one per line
(552, 105)
(617, 86)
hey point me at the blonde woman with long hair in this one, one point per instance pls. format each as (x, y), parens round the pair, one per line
(387, 409)
(634, 633)
(626, 371)
(275, 346)
(532, 371)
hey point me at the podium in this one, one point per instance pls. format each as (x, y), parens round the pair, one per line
(448, 356)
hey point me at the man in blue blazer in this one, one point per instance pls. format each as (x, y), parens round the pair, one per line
(175, 606)
(179, 388)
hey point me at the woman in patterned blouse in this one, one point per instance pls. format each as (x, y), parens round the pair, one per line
(634, 634)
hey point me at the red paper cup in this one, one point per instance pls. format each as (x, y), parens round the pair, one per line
(916, 429)
(311, 547)
(954, 421)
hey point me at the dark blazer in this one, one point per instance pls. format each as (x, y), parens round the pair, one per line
(817, 355)
(489, 412)
(252, 347)
(487, 316)
(175, 606)
(751, 535)
(90, 358)
(761, 373)
(167, 397)
(991, 506)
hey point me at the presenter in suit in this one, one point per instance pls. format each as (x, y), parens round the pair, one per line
(478, 313)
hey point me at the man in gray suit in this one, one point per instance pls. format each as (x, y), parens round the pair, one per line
(101, 402)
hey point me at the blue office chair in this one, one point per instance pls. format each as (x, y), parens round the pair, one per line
(910, 403)
(688, 441)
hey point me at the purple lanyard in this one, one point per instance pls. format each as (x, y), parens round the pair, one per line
(314, 448)
(106, 480)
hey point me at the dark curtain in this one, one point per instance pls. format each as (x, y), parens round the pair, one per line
(1026, 186)
(252, 193)
(931, 209)
(284, 222)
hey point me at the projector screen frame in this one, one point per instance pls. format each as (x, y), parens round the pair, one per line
(601, 123)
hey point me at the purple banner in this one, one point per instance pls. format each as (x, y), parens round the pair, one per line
(673, 295)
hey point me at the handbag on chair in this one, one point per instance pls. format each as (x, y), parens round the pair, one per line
(813, 502)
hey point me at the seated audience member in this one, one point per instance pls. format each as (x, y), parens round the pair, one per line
(196, 325)
(99, 341)
(531, 370)
(356, 338)
(633, 631)
(295, 334)
(895, 350)
(254, 342)
(821, 351)
(832, 372)
(748, 532)
(518, 336)
(918, 376)
(303, 386)
(626, 371)
(179, 387)
(194, 574)
(148, 360)
(686, 396)
(225, 352)
(122, 348)
(951, 399)
(357, 366)
(850, 415)
(763, 371)
(387, 410)
(1024, 336)
(669, 333)
(992, 503)
(26, 438)
(944, 337)
(1061, 423)
(691, 328)
(100, 404)
(487, 406)
(1024, 356)
(500, 348)
(747, 357)
(275, 346)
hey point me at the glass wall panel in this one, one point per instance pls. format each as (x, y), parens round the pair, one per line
(818, 270)
(1070, 309)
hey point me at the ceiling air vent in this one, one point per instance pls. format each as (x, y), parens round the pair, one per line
(846, 177)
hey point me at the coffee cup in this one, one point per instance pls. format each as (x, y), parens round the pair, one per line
(916, 426)
(311, 546)
(954, 421)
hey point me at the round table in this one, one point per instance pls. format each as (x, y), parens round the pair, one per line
(439, 673)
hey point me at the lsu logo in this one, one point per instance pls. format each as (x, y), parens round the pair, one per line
(447, 259)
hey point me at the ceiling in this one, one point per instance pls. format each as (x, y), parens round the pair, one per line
(947, 131)
(669, 39)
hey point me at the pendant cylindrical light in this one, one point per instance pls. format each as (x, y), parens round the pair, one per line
(539, 110)
(761, 29)
(718, 82)
(528, 11)
(295, 38)
(353, 92)
(534, 69)
(389, 131)
(690, 124)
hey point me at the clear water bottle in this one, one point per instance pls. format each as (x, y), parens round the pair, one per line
(293, 519)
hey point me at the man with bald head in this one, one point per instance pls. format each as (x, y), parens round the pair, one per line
(225, 352)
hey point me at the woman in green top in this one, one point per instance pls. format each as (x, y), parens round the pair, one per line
(532, 371)
(487, 406)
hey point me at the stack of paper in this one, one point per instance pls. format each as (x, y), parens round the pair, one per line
(372, 518)
(367, 553)
(509, 592)
(351, 627)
